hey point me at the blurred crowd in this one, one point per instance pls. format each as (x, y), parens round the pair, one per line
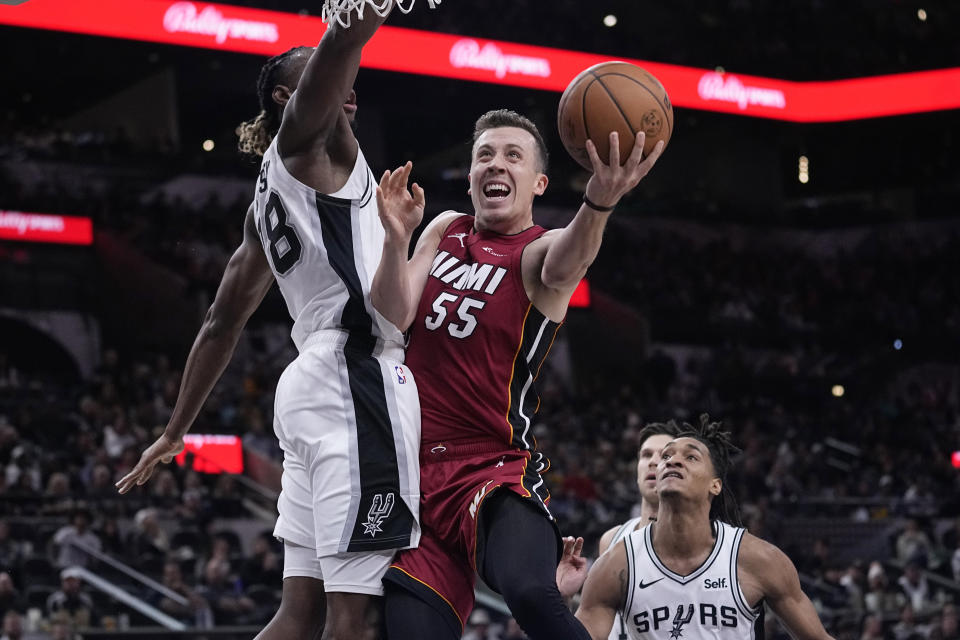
(855, 425)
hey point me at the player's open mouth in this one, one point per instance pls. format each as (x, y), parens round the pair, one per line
(672, 474)
(651, 476)
(496, 191)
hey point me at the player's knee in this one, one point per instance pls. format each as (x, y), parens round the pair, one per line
(531, 597)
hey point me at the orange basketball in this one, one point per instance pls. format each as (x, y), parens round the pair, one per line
(613, 96)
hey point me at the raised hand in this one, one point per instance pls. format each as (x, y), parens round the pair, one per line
(162, 450)
(572, 570)
(610, 181)
(400, 210)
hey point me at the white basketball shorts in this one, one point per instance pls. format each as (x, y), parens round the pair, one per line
(349, 427)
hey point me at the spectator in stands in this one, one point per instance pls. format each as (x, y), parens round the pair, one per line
(196, 612)
(479, 626)
(257, 438)
(853, 581)
(11, 551)
(228, 604)
(916, 588)
(946, 627)
(101, 486)
(881, 599)
(907, 624)
(148, 541)
(10, 597)
(226, 497)
(117, 436)
(913, 544)
(164, 491)
(111, 538)
(12, 626)
(264, 566)
(873, 628)
(78, 531)
(70, 604)
(58, 498)
(193, 511)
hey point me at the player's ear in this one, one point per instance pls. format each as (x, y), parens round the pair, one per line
(541, 184)
(281, 94)
(716, 486)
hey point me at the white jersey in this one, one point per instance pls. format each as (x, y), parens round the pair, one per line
(619, 628)
(323, 250)
(704, 605)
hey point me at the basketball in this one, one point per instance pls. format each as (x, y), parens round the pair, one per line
(613, 96)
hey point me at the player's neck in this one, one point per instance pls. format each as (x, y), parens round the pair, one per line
(648, 513)
(682, 530)
(505, 226)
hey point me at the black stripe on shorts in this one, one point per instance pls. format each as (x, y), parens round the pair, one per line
(383, 520)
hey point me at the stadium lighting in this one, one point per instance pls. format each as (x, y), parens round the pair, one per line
(837, 391)
(803, 170)
(922, 14)
(610, 20)
(898, 344)
(208, 145)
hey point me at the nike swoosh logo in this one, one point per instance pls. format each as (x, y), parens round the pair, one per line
(644, 586)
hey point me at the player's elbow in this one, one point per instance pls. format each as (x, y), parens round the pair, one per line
(219, 323)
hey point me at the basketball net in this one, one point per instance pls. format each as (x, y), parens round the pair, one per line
(340, 10)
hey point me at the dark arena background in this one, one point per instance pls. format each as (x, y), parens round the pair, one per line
(791, 266)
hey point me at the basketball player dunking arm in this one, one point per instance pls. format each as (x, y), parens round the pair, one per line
(347, 412)
(483, 297)
(690, 575)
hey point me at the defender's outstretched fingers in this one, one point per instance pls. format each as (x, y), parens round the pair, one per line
(419, 198)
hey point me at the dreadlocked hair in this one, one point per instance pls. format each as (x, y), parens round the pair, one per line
(257, 134)
(723, 507)
(669, 428)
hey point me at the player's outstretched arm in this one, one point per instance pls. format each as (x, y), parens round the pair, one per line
(315, 110)
(764, 565)
(245, 282)
(603, 593)
(574, 248)
(398, 283)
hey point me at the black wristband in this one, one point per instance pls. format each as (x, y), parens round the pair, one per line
(595, 206)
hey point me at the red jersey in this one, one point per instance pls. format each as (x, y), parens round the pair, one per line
(477, 342)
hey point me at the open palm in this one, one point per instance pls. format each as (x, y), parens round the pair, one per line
(401, 211)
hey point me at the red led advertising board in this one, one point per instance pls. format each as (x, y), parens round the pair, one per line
(42, 227)
(257, 31)
(213, 453)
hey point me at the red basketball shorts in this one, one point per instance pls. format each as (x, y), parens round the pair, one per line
(455, 480)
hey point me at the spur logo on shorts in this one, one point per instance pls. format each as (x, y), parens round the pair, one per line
(401, 374)
(379, 511)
